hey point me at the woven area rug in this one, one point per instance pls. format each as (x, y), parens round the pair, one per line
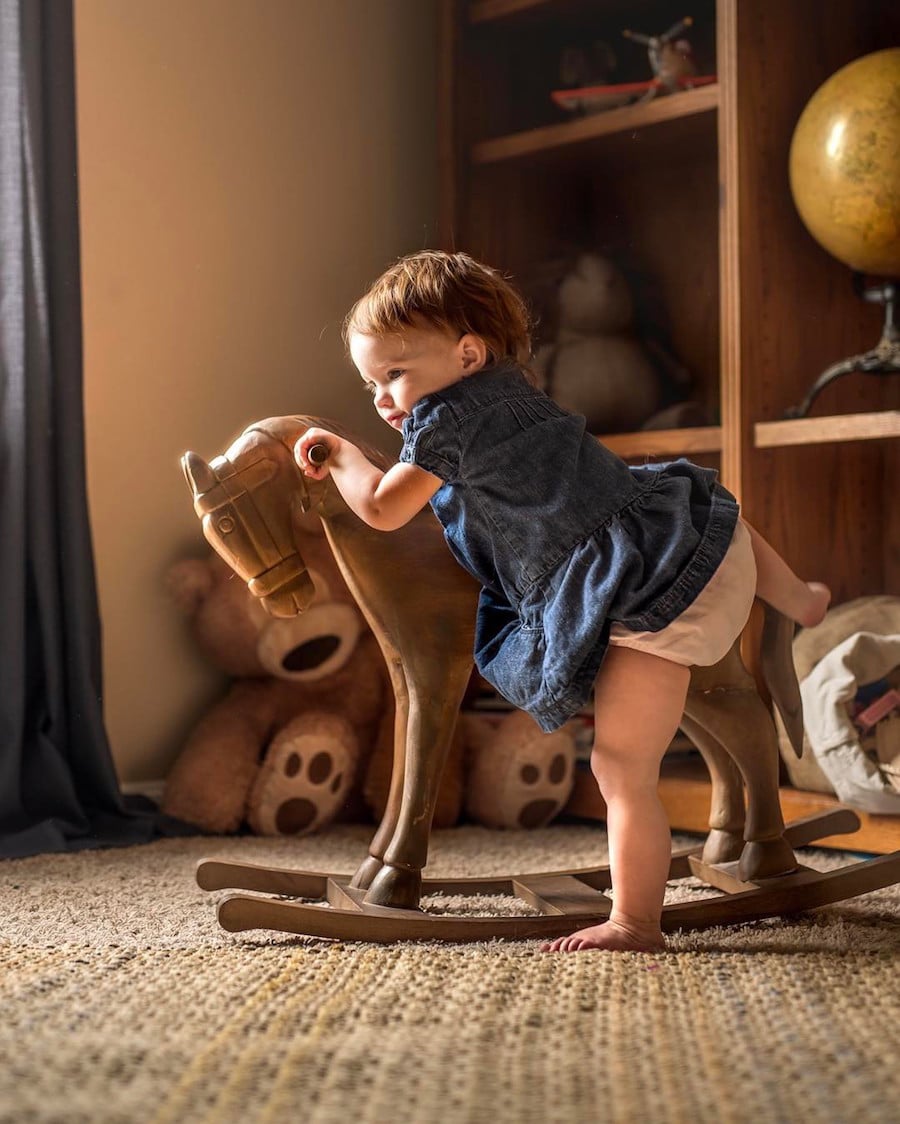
(123, 1001)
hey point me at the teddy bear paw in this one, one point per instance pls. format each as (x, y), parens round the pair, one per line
(519, 776)
(306, 778)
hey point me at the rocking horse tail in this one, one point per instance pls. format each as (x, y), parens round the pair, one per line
(780, 674)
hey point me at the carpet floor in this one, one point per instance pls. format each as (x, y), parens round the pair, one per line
(122, 1001)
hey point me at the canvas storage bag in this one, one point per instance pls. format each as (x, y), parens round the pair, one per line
(857, 643)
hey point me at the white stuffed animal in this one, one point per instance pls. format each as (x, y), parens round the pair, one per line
(597, 366)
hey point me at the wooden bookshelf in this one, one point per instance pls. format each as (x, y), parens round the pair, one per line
(692, 191)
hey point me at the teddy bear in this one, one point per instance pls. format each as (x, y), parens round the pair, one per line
(281, 752)
(597, 366)
(304, 733)
(503, 771)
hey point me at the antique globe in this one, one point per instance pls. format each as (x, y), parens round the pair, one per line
(845, 164)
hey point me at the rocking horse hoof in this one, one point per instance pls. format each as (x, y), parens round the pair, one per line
(722, 847)
(395, 887)
(365, 873)
(766, 858)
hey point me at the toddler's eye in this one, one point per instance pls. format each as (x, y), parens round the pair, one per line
(395, 374)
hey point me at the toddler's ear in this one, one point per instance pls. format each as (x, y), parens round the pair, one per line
(472, 352)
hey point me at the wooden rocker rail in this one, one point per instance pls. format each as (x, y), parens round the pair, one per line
(564, 900)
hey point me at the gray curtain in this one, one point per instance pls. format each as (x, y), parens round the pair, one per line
(58, 787)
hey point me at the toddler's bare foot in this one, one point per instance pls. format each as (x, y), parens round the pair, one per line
(816, 604)
(614, 936)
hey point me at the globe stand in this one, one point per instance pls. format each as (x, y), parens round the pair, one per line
(883, 359)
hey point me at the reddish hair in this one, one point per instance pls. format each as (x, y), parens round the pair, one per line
(450, 292)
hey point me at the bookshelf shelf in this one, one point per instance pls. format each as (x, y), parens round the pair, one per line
(665, 442)
(482, 11)
(629, 118)
(816, 431)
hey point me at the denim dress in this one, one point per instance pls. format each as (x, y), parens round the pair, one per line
(564, 537)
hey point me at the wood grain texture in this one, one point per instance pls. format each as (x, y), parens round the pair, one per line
(565, 905)
(628, 118)
(664, 442)
(822, 431)
(789, 310)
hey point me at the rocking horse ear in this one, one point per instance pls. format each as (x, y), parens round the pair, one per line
(199, 475)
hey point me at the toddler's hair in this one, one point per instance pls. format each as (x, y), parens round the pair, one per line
(451, 292)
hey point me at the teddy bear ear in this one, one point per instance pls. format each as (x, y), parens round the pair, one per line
(188, 583)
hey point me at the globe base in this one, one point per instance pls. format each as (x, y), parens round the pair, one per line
(883, 359)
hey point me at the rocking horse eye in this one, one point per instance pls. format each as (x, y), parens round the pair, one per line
(226, 524)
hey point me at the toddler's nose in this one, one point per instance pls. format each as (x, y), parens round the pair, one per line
(383, 398)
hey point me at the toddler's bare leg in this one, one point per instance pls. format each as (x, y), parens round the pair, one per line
(778, 585)
(639, 701)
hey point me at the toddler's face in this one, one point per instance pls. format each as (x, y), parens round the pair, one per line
(399, 369)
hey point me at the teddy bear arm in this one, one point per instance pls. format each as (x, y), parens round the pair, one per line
(210, 782)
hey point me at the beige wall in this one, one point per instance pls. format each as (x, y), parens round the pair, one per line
(246, 167)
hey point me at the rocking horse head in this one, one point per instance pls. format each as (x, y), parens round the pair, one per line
(247, 500)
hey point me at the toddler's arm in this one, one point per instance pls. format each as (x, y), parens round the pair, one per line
(384, 500)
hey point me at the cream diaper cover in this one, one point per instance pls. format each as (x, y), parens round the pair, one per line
(708, 627)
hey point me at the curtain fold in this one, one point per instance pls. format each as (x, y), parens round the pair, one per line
(58, 786)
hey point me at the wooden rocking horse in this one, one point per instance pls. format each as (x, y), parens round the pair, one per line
(421, 607)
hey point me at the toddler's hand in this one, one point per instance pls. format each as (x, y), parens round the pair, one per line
(316, 469)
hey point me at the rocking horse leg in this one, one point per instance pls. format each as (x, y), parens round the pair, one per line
(725, 840)
(725, 702)
(766, 853)
(744, 727)
(434, 702)
(370, 866)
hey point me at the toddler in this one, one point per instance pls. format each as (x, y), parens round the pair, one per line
(596, 576)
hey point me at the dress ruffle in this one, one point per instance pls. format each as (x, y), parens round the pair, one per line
(545, 655)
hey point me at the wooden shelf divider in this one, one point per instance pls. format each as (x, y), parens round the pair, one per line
(818, 431)
(703, 99)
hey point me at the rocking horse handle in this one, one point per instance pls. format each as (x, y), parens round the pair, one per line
(318, 454)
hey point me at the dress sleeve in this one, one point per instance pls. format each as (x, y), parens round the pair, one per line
(432, 442)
